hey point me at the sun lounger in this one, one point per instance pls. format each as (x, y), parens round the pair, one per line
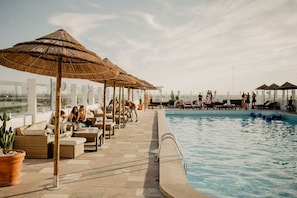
(263, 106)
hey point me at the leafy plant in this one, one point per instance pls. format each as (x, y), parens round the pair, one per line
(140, 100)
(171, 95)
(6, 136)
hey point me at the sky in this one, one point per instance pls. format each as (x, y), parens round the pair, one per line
(189, 46)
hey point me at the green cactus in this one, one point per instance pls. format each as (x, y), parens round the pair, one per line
(6, 136)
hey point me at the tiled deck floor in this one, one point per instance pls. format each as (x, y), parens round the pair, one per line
(123, 167)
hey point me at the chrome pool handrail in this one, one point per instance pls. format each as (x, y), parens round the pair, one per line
(172, 137)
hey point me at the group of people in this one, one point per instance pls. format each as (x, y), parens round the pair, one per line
(77, 116)
(207, 101)
(131, 108)
(209, 97)
(245, 100)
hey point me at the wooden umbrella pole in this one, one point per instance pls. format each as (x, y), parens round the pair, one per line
(123, 106)
(104, 110)
(113, 103)
(129, 93)
(120, 107)
(57, 124)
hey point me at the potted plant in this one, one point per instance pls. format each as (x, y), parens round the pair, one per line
(10, 160)
(172, 98)
(140, 105)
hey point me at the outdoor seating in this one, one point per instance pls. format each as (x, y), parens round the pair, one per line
(188, 105)
(181, 104)
(92, 134)
(263, 106)
(196, 105)
(71, 147)
(37, 139)
(208, 105)
(290, 107)
(109, 126)
(273, 105)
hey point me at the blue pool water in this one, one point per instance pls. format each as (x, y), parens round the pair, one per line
(237, 155)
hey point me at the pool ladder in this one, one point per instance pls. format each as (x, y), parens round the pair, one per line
(181, 155)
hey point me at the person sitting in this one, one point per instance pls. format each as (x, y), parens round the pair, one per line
(63, 118)
(82, 117)
(290, 107)
(73, 114)
(109, 107)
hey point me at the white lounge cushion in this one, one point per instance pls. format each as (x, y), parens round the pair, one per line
(72, 140)
(37, 126)
(98, 111)
(89, 114)
(35, 132)
(63, 127)
(20, 130)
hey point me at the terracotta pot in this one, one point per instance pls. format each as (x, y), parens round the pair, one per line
(10, 168)
(140, 106)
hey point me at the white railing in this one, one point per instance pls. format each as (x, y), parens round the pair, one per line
(172, 137)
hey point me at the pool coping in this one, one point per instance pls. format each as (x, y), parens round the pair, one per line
(172, 177)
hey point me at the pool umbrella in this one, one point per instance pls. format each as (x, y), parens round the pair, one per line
(287, 86)
(263, 87)
(275, 88)
(122, 79)
(57, 54)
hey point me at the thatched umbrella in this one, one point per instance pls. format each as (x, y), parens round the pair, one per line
(263, 87)
(287, 86)
(57, 54)
(142, 85)
(119, 81)
(273, 87)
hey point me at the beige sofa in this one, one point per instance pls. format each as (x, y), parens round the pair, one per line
(37, 140)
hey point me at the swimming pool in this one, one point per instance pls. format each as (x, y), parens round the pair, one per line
(231, 154)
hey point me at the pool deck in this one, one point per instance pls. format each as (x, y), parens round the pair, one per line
(124, 166)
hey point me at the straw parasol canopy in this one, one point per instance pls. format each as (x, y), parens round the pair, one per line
(263, 87)
(40, 57)
(122, 79)
(287, 86)
(149, 86)
(57, 54)
(273, 87)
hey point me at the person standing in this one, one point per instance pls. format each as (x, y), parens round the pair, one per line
(200, 100)
(253, 100)
(243, 98)
(247, 101)
(132, 108)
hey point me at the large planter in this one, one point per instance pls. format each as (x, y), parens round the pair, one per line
(10, 168)
(140, 106)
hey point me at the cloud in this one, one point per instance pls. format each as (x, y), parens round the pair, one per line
(78, 23)
(150, 19)
(199, 45)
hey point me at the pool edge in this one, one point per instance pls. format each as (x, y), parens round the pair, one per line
(173, 181)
